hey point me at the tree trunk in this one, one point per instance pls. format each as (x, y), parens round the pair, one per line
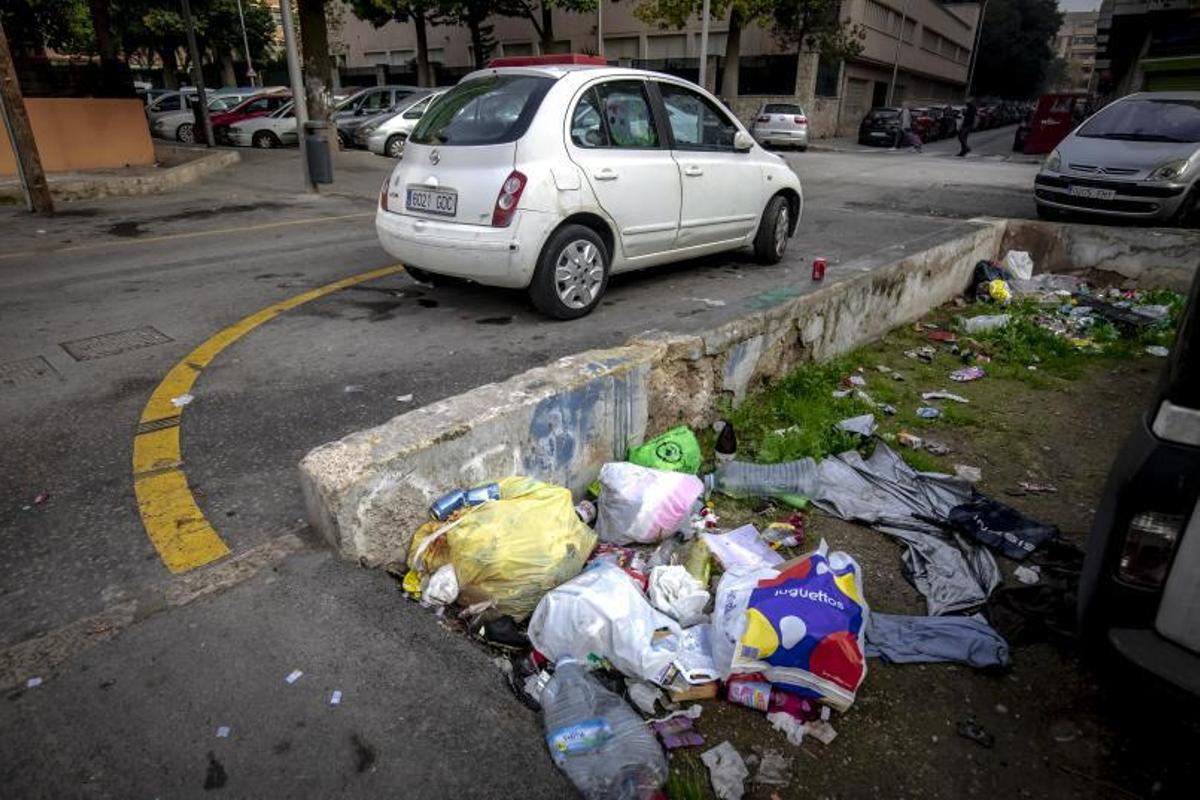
(228, 76)
(547, 30)
(476, 42)
(424, 75)
(29, 162)
(170, 67)
(317, 65)
(102, 25)
(733, 54)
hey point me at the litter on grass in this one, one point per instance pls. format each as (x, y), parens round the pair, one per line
(335, 699)
(726, 770)
(293, 676)
(967, 374)
(957, 398)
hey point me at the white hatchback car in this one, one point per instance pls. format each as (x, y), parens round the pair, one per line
(553, 177)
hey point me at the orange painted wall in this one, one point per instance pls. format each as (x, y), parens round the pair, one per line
(84, 133)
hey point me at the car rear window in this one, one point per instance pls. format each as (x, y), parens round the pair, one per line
(782, 108)
(490, 110)
(1148, 120)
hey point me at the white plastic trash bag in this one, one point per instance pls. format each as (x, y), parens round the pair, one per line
(642, 505)
(675, 592)
(602, 613)
(1019, 264)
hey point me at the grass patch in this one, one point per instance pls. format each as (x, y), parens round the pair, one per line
(795, 417)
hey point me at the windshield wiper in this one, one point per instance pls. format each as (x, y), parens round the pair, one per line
(1142, 137)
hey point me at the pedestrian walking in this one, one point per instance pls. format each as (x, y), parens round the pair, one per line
(965, 126)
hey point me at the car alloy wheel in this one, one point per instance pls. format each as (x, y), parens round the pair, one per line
(264, 140)
(186, 134)
(782, 221)
(578, 274)
(395, 146)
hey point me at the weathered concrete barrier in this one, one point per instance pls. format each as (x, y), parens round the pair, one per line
(367, 492)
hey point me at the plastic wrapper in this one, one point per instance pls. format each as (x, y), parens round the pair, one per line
(800, 625)
(642, 505)
(602, 614)
(675, 592)
(510, 551)
(677, 450)
(1018, 264)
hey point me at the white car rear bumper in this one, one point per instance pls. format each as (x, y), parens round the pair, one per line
(491, 256)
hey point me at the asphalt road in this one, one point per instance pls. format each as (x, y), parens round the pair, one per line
(188, 264)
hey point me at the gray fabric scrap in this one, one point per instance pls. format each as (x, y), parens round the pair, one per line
(953, 573)
(904, 640)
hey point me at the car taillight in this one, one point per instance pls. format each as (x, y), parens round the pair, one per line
(800, 120)
(1149, 544)
(765, 118)
(383, 193)
(506, 201)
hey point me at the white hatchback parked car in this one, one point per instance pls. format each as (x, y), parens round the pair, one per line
(553, 177)
(387, 136)
(277, 129)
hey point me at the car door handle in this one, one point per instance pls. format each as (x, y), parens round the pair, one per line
(606, 174)
(693, 171)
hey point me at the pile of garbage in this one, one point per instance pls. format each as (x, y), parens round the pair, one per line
(621, 611)
(1067, 306)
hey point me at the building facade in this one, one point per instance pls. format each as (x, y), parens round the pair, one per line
(928, 43)
(1075, 44)
(1147, 45)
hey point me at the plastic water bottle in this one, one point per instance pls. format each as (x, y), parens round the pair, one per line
(602, 744)
(742, 479)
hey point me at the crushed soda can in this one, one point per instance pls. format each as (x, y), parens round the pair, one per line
(586, 510)
(481, 494)
(448, 503)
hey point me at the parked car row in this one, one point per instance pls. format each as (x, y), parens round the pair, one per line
(882, 124)
(378, 119)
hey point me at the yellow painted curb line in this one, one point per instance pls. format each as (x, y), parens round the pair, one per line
(173, 521)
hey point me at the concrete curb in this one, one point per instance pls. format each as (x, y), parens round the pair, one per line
(368, 492)
(164, 180)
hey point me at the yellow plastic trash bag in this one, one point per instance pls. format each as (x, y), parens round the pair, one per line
(998, 290)
(512, 550)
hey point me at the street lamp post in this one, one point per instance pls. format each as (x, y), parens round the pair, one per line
(896, 63)
(250, 73)
(299, 104)
(704, 44)
(975, 49)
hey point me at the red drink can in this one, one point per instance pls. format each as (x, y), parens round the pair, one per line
(818, 269)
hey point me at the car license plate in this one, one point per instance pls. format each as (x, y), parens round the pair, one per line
(432, 201)
(878, 133)
(1092, 192)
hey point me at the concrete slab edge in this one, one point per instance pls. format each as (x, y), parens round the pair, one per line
(165, 180)
(368, 492)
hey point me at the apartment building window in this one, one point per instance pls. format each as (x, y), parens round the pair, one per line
(887, 19)
(375, 57)
(716, 43)
(560, 46)
(1083, 40)
(516, 48)
(622, 47)
(667, 45)
(829, 73)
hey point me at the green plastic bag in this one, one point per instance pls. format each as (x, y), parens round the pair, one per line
(677, 450)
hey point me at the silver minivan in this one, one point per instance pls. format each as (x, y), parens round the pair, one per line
(1137, 158)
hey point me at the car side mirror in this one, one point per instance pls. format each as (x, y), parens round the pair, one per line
(743, 142)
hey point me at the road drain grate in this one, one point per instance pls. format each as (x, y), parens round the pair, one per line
(27, 370)
(111, 344)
